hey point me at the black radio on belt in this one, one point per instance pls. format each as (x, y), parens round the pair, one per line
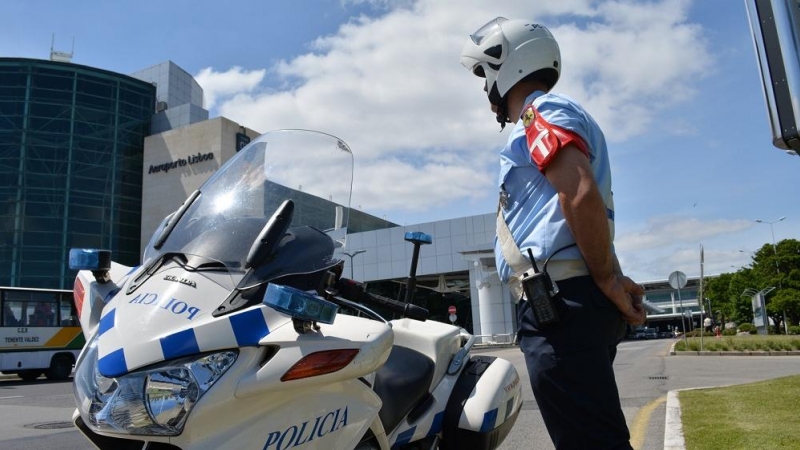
(542, 294)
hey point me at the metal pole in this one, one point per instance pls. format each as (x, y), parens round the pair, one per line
(683, 321)
(411, 284)
(785, 325)
(353, 255)
(778, 269)
(700, 299)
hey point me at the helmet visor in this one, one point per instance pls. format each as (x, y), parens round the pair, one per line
(492, 27)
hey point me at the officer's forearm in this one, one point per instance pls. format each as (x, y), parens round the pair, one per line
(585, 212)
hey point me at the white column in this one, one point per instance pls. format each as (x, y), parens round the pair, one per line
(491, 309)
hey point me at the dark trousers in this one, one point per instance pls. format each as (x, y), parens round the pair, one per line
(570, 368)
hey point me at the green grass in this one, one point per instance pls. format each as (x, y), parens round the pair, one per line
(751, 343)
(752, 416)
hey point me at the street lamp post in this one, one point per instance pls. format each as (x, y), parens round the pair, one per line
(353, 255)
(777, 268)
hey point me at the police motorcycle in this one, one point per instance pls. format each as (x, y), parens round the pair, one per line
(238, 330)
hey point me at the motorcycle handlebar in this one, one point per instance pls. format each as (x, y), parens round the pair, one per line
(353, 290)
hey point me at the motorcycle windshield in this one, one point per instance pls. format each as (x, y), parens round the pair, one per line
(312, 169)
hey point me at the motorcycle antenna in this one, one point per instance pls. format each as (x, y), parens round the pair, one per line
(417, 238)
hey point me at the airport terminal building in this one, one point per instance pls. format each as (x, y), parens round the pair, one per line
(70, 166)
(92, 158)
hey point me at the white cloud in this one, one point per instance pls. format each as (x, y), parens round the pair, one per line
(419, 124)
(673, 243)
(652, 265)
(665, 231)
(228, 83)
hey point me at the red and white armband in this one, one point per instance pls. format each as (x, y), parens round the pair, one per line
(546, 140)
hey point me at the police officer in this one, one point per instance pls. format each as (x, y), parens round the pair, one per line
(556, 202)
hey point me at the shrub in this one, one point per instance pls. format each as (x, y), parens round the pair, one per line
(729, 332)
(748, 327)
(744, 343)
(696, 333)
(794, 329)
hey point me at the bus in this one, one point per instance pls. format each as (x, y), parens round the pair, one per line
(39, 333)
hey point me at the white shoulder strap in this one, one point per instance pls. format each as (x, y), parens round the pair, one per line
(518, 263)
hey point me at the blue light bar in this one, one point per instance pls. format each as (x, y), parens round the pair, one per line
(89, 259)
(300, 304)
(419, 237)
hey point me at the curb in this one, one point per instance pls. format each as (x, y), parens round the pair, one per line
(673, 427)
(672, 352)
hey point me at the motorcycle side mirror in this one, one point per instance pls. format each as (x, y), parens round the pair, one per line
(269, 237)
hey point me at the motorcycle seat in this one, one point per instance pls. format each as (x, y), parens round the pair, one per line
(401, 383)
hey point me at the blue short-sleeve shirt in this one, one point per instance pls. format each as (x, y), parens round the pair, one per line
(532, 210)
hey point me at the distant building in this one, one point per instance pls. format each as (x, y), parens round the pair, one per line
(179, 98)
(670, 308)
(71, 141)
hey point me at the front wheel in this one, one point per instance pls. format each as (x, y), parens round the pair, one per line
(60, 368)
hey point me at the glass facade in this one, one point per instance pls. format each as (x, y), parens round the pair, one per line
(71, 144)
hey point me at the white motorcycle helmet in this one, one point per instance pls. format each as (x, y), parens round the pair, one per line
(506, 51)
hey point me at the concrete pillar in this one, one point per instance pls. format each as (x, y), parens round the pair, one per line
(492, 309)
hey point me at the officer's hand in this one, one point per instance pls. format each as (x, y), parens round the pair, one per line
(636, 314)
(627, 297)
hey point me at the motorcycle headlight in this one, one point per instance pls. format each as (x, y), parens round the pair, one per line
(155, 401)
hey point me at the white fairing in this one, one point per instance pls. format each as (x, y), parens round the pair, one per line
(372, 338)
(497, 396)
(332, 416)
(165, 319)
(436, 340)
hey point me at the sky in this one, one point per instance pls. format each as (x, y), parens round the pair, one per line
(673, 83)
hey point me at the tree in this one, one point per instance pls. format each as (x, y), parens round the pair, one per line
(778, 266)
(775, 266)
(725, 292)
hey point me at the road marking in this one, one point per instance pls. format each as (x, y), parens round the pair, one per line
(639, 425)
(13, 396)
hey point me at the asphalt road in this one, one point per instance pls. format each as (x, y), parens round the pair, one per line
(645, 374)
(36, 415)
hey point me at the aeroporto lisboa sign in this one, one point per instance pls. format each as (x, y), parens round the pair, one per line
(181, 162)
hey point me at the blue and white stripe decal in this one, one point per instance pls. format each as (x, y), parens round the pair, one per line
(113, 364)
(182, 343)
(249, 327)
(241, 329)
(110, 295)
(489, 419)
(436, 426)
(404, 438)
(509, 408)
(106, 322)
